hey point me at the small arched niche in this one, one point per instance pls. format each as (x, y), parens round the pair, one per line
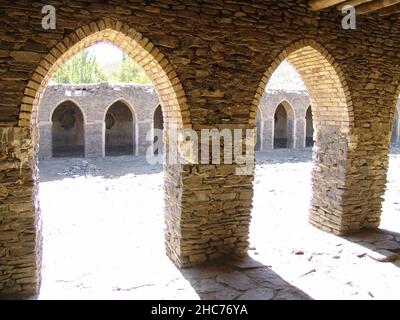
(119, 130)
(283, 126)
(68, 131)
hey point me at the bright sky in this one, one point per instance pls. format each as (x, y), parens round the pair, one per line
(106, 52)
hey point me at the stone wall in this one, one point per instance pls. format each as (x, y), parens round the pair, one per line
(210, 62)
(95, 100)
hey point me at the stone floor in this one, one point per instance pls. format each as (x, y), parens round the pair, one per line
(103, 238)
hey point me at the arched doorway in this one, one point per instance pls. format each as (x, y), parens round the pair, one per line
(158, 125)
(67, 131)
(283, 126)
(173, 101)
(315, 67)
(119, 130)
(309, 128)
(287, 180)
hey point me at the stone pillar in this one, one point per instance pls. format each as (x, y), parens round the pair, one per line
(95, 139)
(45, 140)
(300, 133)
(144, 127)
(349, 178)
(268, 136)
(291, 137)
(20, 226)
(211, 217)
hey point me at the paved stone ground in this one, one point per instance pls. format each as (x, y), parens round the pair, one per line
(103, 238)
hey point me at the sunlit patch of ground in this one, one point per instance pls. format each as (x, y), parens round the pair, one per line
(103, 238)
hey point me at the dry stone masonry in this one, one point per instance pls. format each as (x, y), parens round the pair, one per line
(209, 62)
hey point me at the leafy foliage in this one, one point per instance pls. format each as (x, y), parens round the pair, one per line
(82, 68)
(129, 72)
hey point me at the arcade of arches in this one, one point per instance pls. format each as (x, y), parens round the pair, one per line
(209, 63)
(94, 102)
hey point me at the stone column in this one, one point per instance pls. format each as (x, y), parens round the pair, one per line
(349, 178)
(144, 127)
(20, 227)
(211, 217)
(95, 139)
(268, 137)
(300, 133)
(45, 140)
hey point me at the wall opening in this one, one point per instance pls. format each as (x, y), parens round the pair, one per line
(119, 130)
(283, 126)
(158, 124)
(67, 131)
(83, 173)
(291, 186)
(309, 128)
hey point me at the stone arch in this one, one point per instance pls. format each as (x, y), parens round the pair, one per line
(134, 44)
(334, 124)
(283, 123)
(173, 102)
(120, 129)
(50, 114)
(309, 130)
(67, 130)
(319, 70)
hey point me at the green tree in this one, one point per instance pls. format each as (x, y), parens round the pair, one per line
(82, 68)
(129, 72)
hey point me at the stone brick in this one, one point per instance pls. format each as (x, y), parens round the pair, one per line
(353, 119)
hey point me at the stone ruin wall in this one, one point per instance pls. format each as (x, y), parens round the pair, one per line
(95, 99)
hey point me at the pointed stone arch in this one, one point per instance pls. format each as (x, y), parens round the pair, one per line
(334, 122)
(67, 130)
(284, 129)
(175, 111)
(120, 129)
(134, 44)
(319, 70)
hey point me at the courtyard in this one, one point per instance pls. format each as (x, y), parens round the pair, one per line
(103, 237)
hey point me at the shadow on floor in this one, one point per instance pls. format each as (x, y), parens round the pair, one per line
(380, 244)
(245, 279)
